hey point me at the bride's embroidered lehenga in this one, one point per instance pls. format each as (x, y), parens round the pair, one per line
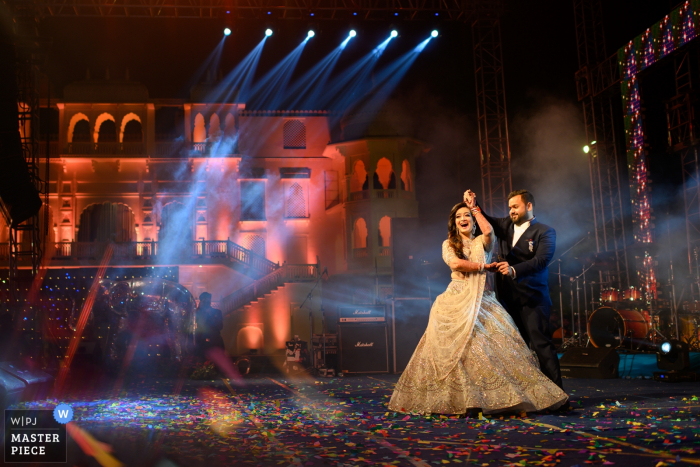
(472, 355)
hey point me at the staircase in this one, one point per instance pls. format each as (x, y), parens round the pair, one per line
(266, 285)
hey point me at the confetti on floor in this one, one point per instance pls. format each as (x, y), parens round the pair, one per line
(306, 421)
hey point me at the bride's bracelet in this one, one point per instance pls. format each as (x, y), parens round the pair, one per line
(481, 267)
(475, 209)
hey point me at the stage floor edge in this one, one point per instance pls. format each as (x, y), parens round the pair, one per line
(638, 364)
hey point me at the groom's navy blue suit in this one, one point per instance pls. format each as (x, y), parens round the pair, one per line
(526, 298)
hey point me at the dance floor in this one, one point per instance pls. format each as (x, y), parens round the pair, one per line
(279, 420)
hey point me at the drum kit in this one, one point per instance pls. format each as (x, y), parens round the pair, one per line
(627, 318)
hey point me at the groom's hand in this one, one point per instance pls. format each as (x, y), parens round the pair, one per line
(504, 268)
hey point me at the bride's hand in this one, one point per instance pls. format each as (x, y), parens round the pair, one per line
(470, 198)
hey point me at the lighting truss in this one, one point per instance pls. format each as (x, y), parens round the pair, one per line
(454, 10)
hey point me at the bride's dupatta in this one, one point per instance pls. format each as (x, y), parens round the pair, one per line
(453, 316)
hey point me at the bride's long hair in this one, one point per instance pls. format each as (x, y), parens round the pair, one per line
(454, 237)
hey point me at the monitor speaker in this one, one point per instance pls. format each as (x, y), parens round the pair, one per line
(20, 383)
(364, 348)
(590, 362)
(410, 320)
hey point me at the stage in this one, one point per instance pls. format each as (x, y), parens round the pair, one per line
(277, 420)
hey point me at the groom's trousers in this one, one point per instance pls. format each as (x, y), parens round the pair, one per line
(533, 323)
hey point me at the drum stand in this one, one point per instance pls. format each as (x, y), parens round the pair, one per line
(579, 335)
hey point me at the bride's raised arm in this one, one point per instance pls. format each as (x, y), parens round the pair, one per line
(486, 229)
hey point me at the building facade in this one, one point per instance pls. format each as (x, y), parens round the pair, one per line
(226, 194)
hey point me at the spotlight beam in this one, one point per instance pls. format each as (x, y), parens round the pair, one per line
(270, 90)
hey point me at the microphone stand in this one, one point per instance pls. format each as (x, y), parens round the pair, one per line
(561, 301)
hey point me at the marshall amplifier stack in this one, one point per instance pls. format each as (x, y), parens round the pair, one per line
(363, 339)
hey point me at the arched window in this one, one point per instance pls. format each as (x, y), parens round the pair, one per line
(359, 181)
(230, 126)
(385, 174)
(296, 202)
(105, 129)
(214, 128)
(406, 177)
(107, 222)
(199, 135)
(131, 129)
(84, 130)
(359, 234)
(294, 132)
(385, 231)
(254, 243)
(81, 132)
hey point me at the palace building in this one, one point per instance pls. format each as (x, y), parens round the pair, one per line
(251, 206)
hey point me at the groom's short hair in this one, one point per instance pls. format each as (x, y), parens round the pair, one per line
(526, 196)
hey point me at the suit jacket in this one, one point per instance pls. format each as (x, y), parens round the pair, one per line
(529, 258)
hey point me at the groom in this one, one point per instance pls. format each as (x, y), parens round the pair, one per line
(525, 249)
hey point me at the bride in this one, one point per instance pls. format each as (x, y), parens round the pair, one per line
(471, 355)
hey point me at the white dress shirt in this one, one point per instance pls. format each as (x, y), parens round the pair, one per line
(519, 229)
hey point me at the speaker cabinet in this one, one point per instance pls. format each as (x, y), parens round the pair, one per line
(410, 320)
(364, 348)
(590, 363)
(20, 383)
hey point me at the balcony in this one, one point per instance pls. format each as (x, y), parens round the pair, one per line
(106, 149)
(222, 252)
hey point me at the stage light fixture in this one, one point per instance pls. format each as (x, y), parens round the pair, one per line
(352, 33)
(586, 149)
(268, 32)
(311, 33)
(592, 143)
(227, 31)
(434, 33)
(673, 359)
(394, 33)
(666, 348)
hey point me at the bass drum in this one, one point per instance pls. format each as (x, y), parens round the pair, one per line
(610, 327)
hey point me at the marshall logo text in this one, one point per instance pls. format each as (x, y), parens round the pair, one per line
(364, 344)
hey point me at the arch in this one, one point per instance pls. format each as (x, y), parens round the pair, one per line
(73, 121)
(128, 118)
(249, 338)
(385, 173)
(101, 222)
(406, 176)
(199, 134)
(359, 177)
(385, 231)
(230, 126)
(254, 243)
(81, 132)
(132, 133)
(98, 125)
(296, 202)
(214, 128)
(359, 234)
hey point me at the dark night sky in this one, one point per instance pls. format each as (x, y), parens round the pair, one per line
(538, 43)
(437, 93)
